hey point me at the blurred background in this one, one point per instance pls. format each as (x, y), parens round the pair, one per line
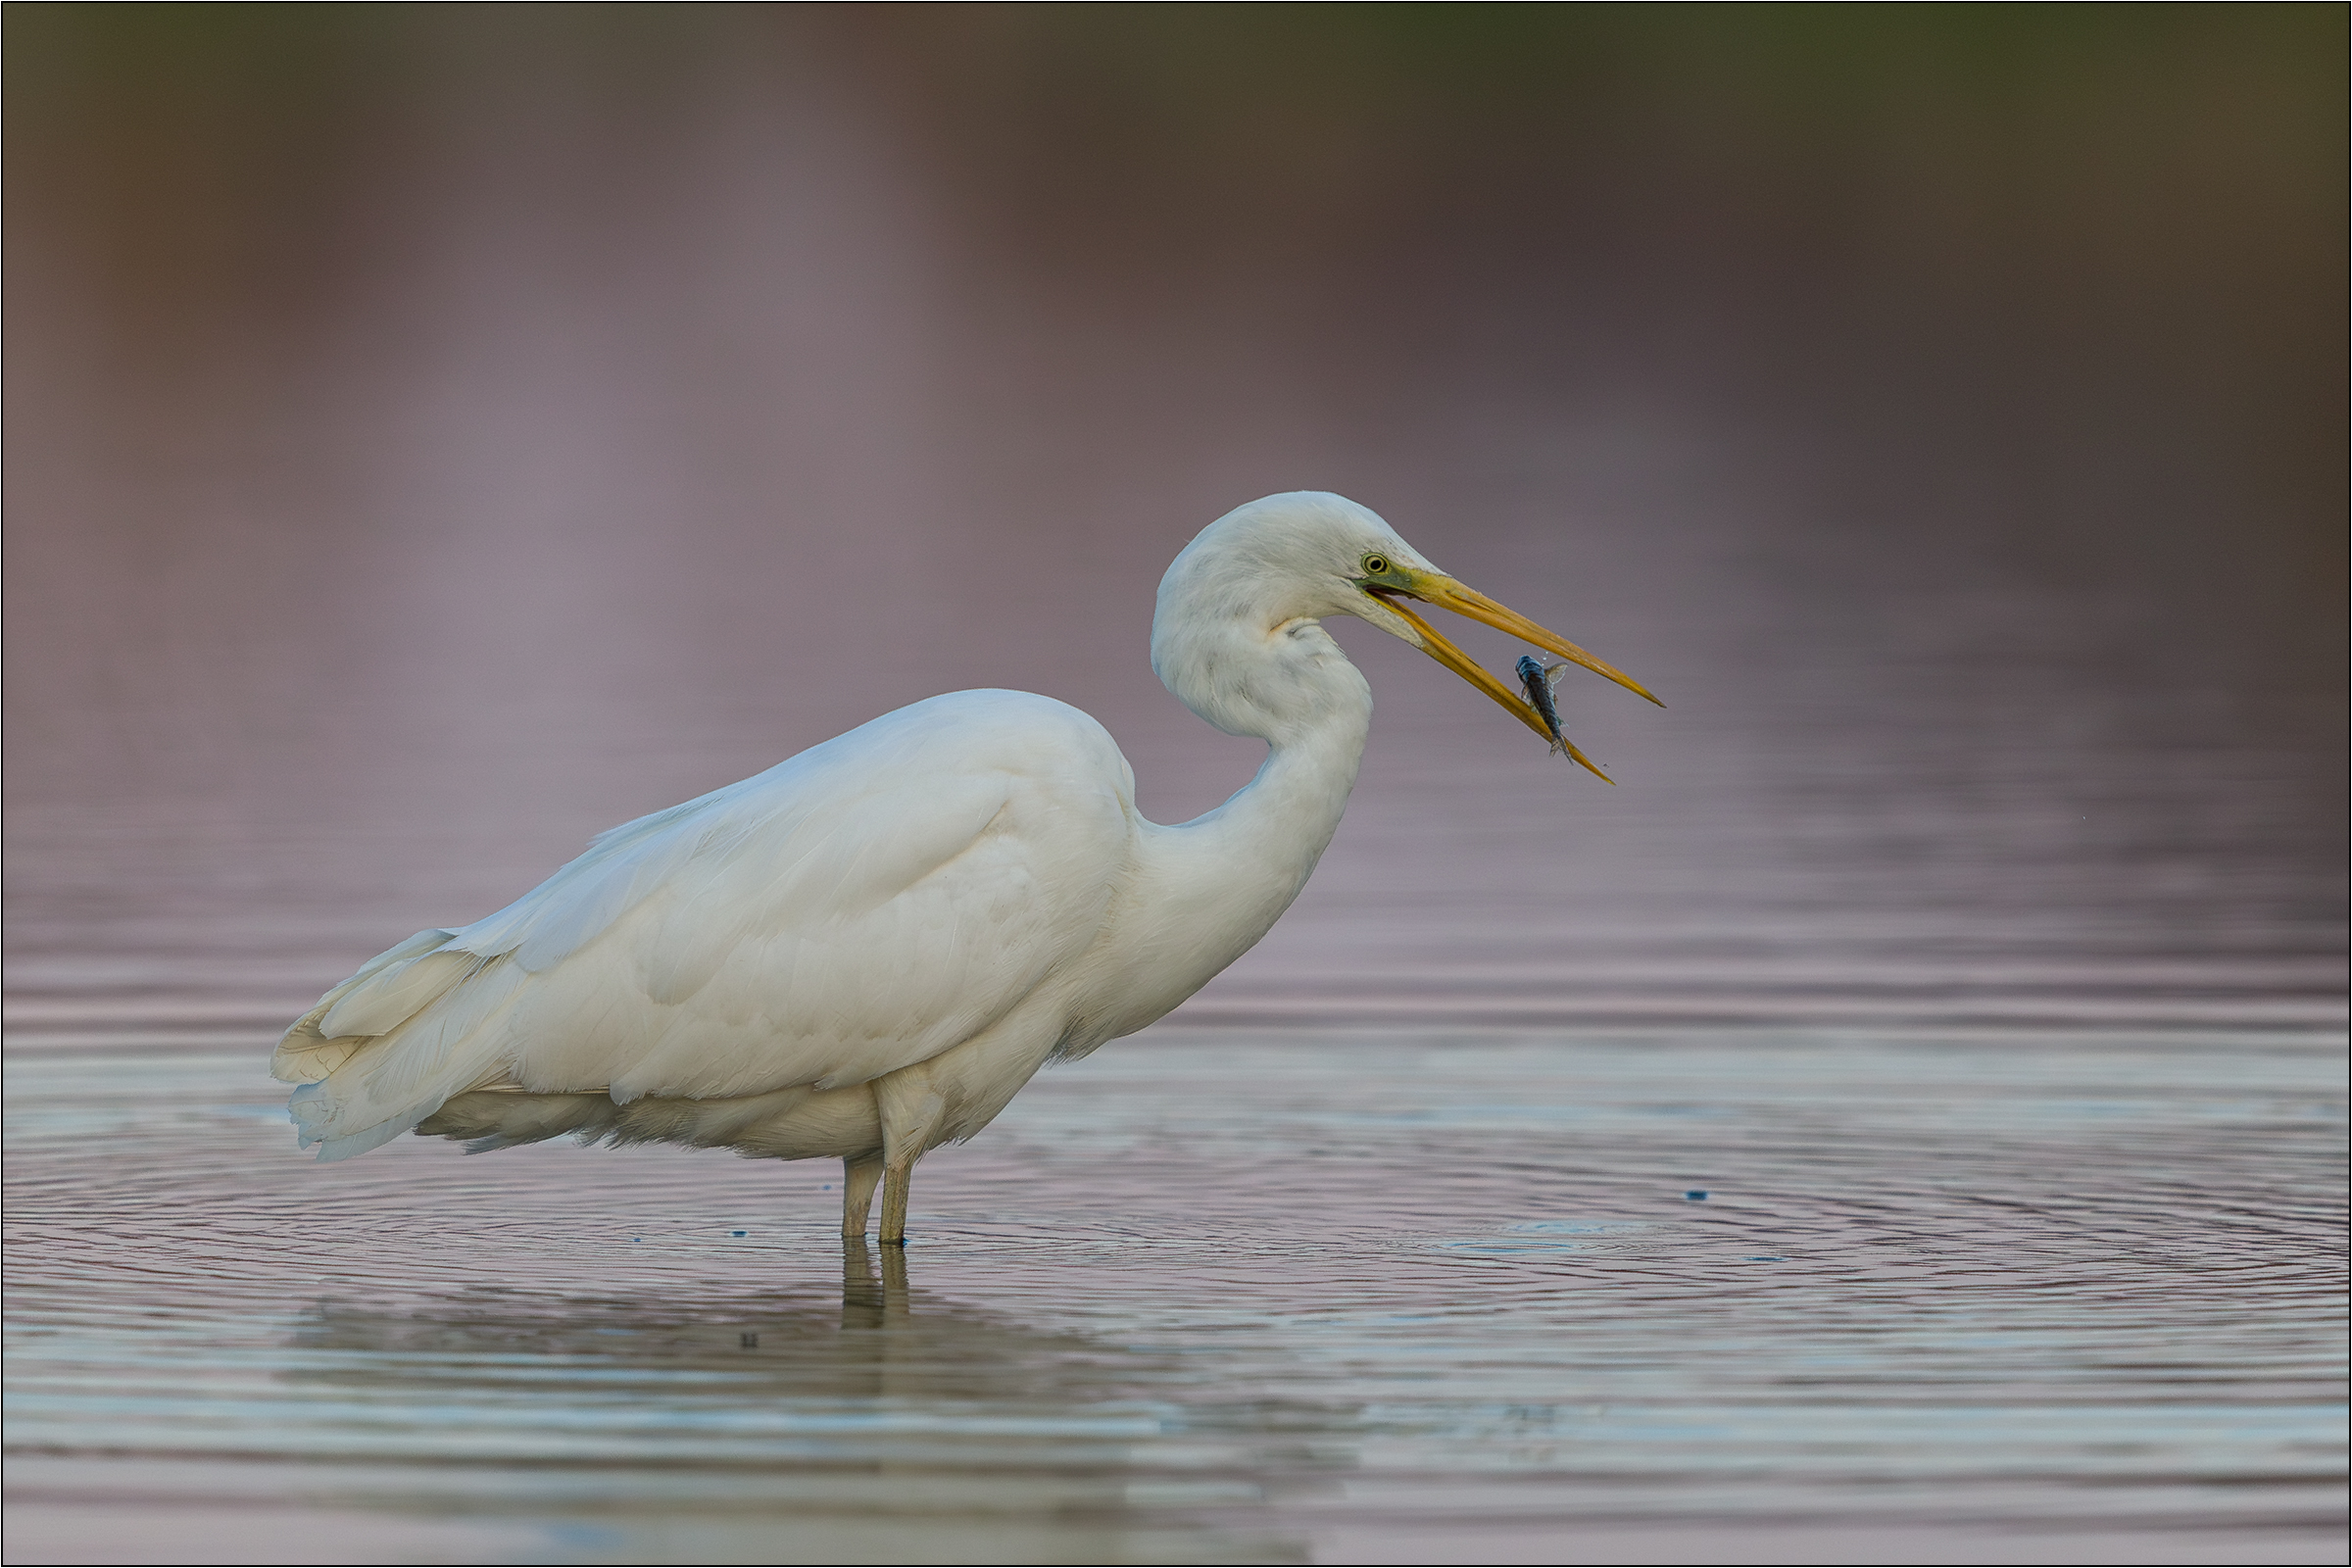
(438, 433)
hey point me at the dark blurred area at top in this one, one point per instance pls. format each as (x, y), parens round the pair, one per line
(1944, 407)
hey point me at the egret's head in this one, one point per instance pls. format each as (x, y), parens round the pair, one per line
(1309, 553)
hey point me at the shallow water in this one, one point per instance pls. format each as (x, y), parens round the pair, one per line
(436, 435)
(1308, 1296)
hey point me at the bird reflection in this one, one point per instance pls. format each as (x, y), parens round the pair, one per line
(870, 1301)
(885, 1339)
(768, 1399)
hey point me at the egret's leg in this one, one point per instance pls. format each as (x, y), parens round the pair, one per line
(858, 1179)
(895, 1181)
(909, 1109)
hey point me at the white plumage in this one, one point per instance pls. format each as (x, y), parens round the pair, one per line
(867, 949)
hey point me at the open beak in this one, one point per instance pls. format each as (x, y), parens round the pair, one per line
(1436, 588)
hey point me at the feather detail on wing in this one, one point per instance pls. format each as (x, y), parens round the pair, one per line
(309, 1052)
(861, 907)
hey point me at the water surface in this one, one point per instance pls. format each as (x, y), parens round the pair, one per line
(1314, 1297)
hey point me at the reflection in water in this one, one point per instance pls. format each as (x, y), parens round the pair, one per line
(890, 1426)
(883, 1340)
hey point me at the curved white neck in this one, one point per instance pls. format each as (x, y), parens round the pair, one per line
(1206, 890)
(1268, 836)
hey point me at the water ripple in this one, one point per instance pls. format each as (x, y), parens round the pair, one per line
(1216, 1298)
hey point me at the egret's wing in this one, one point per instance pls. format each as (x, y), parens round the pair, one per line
(865, 905)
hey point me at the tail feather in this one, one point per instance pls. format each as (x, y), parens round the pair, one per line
(316, 1113)
(308, 1053)
(366, 1090)
(388, 999)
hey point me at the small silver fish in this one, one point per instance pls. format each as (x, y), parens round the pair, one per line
(1539, 679)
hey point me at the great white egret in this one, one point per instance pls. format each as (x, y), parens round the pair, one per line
(867, 949)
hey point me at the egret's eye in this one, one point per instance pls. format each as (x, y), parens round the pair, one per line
(1374, 566)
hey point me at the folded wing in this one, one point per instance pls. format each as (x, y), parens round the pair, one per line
(862, 907)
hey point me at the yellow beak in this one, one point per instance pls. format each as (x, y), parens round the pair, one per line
(1435, 588)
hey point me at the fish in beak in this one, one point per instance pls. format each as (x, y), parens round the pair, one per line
(1399, 582)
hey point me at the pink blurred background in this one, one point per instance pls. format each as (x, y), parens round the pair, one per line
(434, 434)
